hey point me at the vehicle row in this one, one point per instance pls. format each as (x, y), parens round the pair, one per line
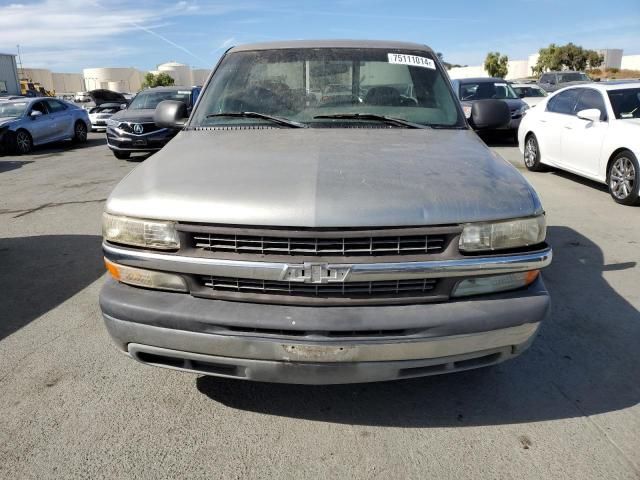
(591, 130)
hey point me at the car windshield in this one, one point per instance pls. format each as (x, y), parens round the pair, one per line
(530, 91)
(625, 102)
(300, 84)
(151, 99)
(486, 90)
(12, 109)
(573, 77)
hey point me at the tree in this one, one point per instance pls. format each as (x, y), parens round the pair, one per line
(496, 65)
(160, 80)
(570, 56)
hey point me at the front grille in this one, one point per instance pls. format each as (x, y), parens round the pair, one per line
(356, 290)
(317, 246)
(146, 127)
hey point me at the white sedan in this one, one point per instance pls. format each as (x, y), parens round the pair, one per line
(592, 130)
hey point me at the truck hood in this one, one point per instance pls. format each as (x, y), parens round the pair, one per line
(325, 178)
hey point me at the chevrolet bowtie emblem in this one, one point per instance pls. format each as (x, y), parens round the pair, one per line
(316, 273)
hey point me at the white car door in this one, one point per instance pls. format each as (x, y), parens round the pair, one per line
(582, 139)
(552, 122)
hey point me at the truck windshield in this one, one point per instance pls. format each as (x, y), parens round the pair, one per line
(301, 84)
(573, 77)
(150, 99)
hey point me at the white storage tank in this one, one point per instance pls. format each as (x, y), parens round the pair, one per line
(180, 73)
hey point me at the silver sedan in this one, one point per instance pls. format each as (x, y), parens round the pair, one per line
(35, 121)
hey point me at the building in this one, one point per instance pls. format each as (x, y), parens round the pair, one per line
(9, 82)
(200, 75)
(118, 79)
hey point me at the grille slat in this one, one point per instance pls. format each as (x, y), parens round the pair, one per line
(314, 246)
(383, 288)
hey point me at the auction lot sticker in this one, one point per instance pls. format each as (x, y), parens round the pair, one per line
(412, 60)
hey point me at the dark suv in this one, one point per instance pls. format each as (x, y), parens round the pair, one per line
(552, 81)
(133, 130)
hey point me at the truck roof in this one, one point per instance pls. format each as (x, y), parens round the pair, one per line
(331, 44)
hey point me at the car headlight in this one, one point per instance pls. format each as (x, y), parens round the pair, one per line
(140, 233)
(113, 123)
(523, 109)
(522, 232)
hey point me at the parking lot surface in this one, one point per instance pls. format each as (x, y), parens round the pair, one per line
(71, 406)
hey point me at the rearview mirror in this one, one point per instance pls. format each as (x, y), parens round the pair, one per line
(590, 114)
(489, 114)
(35, 114)
(170, 114)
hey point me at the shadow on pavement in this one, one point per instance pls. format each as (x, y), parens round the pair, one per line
(8, 165)
(586, 361)
(39, 273)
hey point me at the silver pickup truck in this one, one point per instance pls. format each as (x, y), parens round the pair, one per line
(290, 234)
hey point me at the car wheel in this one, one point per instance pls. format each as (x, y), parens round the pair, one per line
(23, 142)
(532, 154)
(79, 132)
(122, 155)
(624, 178)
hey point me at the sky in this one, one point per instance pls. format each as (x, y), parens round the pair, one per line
(69, 35)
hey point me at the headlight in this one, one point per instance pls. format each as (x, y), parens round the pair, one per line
(140, 233)
(477, 237)
(494, 284)
(523, 109)
(113, 123)
(141, 277)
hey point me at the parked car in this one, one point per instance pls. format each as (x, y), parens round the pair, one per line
(552, 81)
(133, 130)
(590, 130)
(99, 115)
(36, 121)
(531, 94)
(82, 97)
(472, 90)
(287, 242)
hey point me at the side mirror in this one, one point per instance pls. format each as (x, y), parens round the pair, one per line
(123, 106)
(590, 114)
(35, 114)
(489, 114)
(522, 95)
(170, 114)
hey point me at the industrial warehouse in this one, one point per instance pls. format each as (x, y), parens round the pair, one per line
(117, 79)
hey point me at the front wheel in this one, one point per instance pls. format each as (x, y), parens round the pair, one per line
(80, 132)
(532, 154)
(121, 155)
(23, 142)
(624, 178)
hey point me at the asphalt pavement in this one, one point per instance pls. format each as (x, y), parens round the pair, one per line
(71, 406)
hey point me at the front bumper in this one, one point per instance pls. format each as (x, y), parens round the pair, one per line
(292, 344)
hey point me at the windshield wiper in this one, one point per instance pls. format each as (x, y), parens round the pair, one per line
(279, 120)
(372, 116)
